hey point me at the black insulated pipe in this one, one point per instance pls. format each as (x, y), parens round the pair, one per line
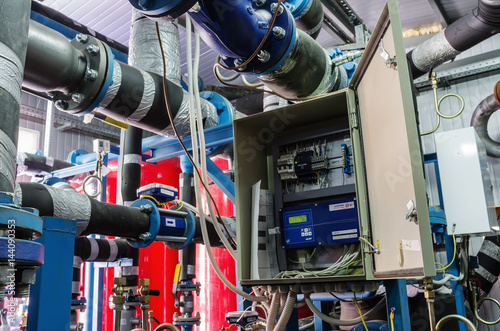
(187, 256)
(52, 63)
(489, 263)
(68, 22)
(470, 30)
(480, 119)
(102, 250)
(13, 42)
(131, 169)
(34, 164)
(97, 217)
(311, 20)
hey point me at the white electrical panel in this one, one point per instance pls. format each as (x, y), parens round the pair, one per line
(465, 182)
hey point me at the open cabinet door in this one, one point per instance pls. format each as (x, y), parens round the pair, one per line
(391, 155)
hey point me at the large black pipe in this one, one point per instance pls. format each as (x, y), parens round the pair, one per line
(306, 71)
(489, 263)
(187, 256)
(131, 169)
(470, 30)
(13, 42)
(52, 63)
(312, 20)
(102, 250)
(100, 218)
(38, 164)
(68, 22)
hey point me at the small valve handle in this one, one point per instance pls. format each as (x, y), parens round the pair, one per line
(177, 275)
(154, 293)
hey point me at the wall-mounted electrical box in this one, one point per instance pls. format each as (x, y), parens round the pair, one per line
(339, 167)
(466, 184)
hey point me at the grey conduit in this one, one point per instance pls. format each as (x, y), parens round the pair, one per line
(273, 313)
(480, 119)
(470, 30)
(287, 311)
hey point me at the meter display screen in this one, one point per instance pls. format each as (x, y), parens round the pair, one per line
(297, 219)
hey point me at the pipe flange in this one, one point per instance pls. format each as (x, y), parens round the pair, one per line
(154, 223)
(25, 223)
(276, 49)
(189, 233)
(95, 82)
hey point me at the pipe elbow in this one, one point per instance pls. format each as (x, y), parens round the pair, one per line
(480, 119)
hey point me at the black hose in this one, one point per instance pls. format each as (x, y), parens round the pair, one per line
(101, 250)
(13, 35)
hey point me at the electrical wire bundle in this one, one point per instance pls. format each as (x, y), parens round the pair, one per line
(350, 256)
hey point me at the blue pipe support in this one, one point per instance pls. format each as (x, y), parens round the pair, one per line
(221, 180)
(50, 295)
(397, 298)
(224, 112)
(70, 33)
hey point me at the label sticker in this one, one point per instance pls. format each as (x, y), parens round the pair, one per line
(411, 245)
(170, 222)
(345, 236)
(336, 233)
(342, 206)
(167, 192)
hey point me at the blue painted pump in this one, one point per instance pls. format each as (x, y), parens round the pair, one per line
(163, 9)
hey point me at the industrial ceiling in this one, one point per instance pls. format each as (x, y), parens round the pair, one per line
(112, 19)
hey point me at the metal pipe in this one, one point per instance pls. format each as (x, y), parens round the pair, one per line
(93, 217)
(118, 319)
(489, 263)
(13, 43)
(33, 164)
(52, 63)
(318, 74)
(447, 318)
(311, 19)
(121, 92)
(480, 119)
(470, 30)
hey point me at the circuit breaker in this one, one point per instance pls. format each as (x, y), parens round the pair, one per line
(342, 171)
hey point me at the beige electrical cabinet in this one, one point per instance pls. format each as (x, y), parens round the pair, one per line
(378, 113)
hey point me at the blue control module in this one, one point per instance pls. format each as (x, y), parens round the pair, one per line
(324, 223)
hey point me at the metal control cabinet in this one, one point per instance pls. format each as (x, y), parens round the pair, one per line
(378, 110)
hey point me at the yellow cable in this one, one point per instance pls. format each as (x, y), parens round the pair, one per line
(347, 269)
(442, 265)
(392, 319)
(152, 198)
(454, 251)
(180, 205)
(358, 271)
(360, 313)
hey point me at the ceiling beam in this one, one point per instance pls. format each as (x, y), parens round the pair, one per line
(336, 10)
(439, 12)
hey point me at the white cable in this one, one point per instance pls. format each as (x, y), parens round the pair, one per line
(203, 154)
(203, 223)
